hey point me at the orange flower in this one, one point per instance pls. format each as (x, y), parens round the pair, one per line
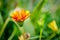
(20, 15)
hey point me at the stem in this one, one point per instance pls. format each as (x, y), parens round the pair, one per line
(40, 34)
(20, 28)
(4, 26)
(34, 37)
(13, 33)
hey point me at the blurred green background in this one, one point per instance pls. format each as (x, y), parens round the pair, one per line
(44, 10)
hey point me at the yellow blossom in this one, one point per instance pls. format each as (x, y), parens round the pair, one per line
(52, 25)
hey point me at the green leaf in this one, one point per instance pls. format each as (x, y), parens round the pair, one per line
(1, 21)
(4, 26)
(36, 13)
(28, 27)
(35, 16)
(57, 17)
(12, 34)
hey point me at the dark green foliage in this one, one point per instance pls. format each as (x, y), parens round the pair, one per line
(31, 25)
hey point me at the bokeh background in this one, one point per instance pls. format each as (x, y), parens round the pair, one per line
(42, 13)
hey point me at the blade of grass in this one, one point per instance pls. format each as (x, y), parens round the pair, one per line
(36, 15)
(1, 21)
(40, 34)
(13, 33)
(35, 37)
(4, 26)
(36, 12)
(51, 36)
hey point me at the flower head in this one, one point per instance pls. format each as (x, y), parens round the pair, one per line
(20, 15)
(52, 25)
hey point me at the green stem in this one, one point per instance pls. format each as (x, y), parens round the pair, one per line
(35, 37)
(40, 34)
(4, 26)
(20, 28)
(13, 33)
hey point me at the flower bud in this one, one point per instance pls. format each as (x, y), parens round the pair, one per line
(25, 36)
(52, 25)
